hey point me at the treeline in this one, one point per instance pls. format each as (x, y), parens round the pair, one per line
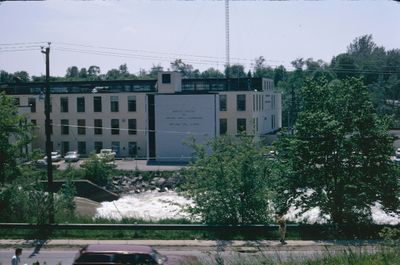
(379, 68)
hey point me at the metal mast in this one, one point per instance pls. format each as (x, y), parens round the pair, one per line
(227, 33)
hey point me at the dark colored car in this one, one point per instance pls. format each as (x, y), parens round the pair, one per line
(119, 255)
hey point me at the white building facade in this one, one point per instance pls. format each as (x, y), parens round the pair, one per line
(149, 119)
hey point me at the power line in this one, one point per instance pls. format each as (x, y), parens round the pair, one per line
(23, 43)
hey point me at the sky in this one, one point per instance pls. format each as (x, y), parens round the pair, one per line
(146, 33)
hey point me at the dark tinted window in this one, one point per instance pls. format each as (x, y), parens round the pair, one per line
(64, 104)
(222, 102)
(132, 103)
(166, 78)
(223, 126)
(98, 124)
(95, 258)
(80, 104)
(97, 104)
(241, 102)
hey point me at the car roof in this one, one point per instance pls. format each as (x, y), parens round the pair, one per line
(107, 248)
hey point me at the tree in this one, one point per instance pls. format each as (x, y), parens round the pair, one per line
(212, 73)
(235, 71)
(83, 73)
(113, 74)
(280, 74)
(97, 171)
(232, 185)
(339, 155)
(93, 72)
(185, 69)
(260, 69)
(14, 132)
(72, 72)
(155, 69)
(22, 76)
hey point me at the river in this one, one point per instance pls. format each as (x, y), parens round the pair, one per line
(153, 205)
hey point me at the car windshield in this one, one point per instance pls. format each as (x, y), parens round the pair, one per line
(71, 153)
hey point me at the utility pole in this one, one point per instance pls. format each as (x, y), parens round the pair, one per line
(227, 48)
(46, 51)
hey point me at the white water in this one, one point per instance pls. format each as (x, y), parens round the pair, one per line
(169, 205)
(151, 205)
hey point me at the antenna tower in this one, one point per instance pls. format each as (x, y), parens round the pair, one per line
(227, 32)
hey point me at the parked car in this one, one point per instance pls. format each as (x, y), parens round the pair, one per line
(71, 156)
(106, 254)
(55, 157)
(106, 155)
(397, 153)
(42, 163)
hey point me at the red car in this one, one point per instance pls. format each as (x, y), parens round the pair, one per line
(108, 254)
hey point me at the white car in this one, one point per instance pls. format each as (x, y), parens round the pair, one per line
(106, 155)
(55, 157)
(397, 152)
(71, 156)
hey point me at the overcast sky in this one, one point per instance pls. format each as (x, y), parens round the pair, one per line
(146, 33)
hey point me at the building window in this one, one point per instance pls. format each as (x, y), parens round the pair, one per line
(166, 78)
(82, 147)
(98, 126)
(80, 104)
(241, 102)
(64, 127)
(132, 103)
(32, 104)
(97, 104)
(98, 146)
(114, 104)
(223, 126)
(114, 126)
(64, 104)
(273, 122)
(64, 147)
(132, 149)
(116, 148)
(273, 102)
(222, 103)
(81, 127)
(241, 125)
(132, 126)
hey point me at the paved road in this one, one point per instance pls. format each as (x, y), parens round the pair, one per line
(64, 251)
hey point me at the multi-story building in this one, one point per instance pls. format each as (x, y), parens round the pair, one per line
(149, 118)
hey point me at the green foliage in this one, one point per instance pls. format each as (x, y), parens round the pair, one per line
(25, 200)
(97, 170)
(235, 71)
(232, 185)
(348, 257)
(14, 133)
(340, 152)
(65, 204)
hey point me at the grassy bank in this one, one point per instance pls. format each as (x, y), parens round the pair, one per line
(387, 256)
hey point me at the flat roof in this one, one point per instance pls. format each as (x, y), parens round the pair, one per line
(139, 86)
(122, 248)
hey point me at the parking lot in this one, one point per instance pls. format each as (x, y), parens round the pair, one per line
(142, 165)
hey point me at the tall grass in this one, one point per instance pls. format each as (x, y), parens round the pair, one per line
(382, 257)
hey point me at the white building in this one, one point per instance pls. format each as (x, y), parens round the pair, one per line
(149, 118)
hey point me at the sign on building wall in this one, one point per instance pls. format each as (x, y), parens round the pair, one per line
(178, 118)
